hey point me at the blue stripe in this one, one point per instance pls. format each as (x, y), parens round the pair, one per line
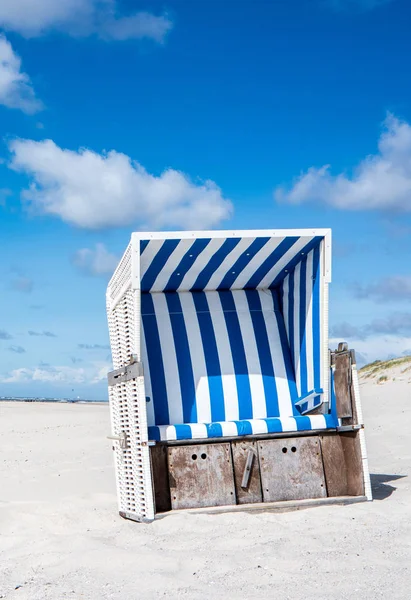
(286, 354)
(158, 263)
(242, 262)
(155, 359)
(270, 261)
(212, 360)
(214, 430)
(303, 326)
(154, 434)
(264, 354)
(185, 368)
(274, 425)
(214, 262)
(186, 263)
(294, 261)
(244, 427)
(183, 432)
(303, 423)
(143, 245)
(245, 403)
(316, 317)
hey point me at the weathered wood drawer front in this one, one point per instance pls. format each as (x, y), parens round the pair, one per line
(291, 469)
(251, 491)
(201, 476)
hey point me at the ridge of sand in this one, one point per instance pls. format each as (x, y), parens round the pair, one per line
(61, 536)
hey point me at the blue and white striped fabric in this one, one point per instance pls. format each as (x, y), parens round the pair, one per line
(301, 306)
(231, 336)
(234, 263)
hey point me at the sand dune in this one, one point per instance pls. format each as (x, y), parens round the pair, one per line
(61, 537)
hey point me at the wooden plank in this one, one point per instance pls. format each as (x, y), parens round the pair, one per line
(342, 384)
(201, 475)
(270, 506)
(253, 491)
(352, 454)
(335, 469)
(159, 470)
(291, 469)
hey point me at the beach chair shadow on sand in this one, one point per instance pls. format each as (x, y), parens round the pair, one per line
(224, 395)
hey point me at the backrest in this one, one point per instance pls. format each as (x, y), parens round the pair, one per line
(215, 356)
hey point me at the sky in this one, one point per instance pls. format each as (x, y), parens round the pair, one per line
(118, 116)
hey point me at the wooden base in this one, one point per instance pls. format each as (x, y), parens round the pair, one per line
(269, 506)
(258, 473)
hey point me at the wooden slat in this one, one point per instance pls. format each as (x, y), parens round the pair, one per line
(334, 465)
(253, 491)
(159, 469)
(352, 454)
(291, 469)
(342, 384)
(270, 506)
(201, 475)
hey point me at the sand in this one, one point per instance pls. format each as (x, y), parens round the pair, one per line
(61, 536)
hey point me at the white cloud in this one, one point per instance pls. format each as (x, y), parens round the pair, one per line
(380, 181)
(94, 191)
(15, 86)
(95, 262)
(81, 18)
(58, 375)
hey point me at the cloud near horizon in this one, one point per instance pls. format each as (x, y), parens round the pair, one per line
(94, 374)
(16, 90)
(381, 181)
(397, 323)
(97, 191)
(81, 18)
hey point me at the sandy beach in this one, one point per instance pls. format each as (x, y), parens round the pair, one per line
(61, 536)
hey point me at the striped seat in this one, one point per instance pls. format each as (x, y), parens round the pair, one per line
(218, 364)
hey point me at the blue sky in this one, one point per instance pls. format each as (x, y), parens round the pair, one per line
(117, 116)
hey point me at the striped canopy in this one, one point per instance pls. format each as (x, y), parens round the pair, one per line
(220, 263)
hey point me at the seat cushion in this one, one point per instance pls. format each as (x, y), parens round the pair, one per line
(197, 431)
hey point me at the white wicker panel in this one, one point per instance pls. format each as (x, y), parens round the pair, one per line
(121, 279)
(123, 329)
(132, 464)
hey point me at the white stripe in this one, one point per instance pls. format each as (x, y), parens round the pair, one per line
(229, 429)
(283, 262)
(148, 255)
(201, 261)
(171, 374)
(280, 373)
(227, 264)
(198, 431)
(147, 381)
(296, 323)
(309, 322)
(251, 354)
(197, 357)
(225, 356)
(256, 262)
(259, 426)
(318, 422)
(171, 265)
(288, 424)
(167, 432)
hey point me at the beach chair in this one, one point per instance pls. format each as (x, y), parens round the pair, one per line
(224, 394)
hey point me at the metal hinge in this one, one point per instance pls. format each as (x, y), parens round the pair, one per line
(121, 439)
(126, 373)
